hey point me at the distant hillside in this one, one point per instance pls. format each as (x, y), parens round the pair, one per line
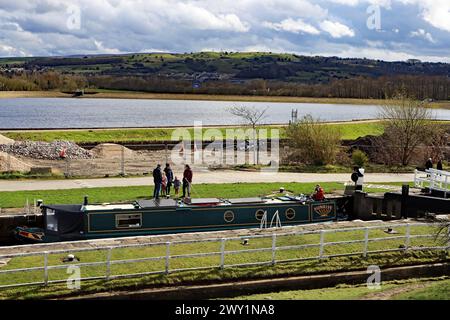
(263, 74)
(206, 66)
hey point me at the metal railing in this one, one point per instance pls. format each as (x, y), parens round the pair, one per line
(438, 180)
(223, 253)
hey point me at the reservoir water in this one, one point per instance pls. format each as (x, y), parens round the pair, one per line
(33, 113)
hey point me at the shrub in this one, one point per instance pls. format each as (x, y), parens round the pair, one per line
(313, 141)
(359, 158)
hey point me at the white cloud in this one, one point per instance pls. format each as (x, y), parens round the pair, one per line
(327, 27)
(382, 54)
(346, 2)
(435, 12)
(353, 3)
(336, 29)
(421, 33)
(294, 26)
(202, 19)
(8, 51)
(102, 48)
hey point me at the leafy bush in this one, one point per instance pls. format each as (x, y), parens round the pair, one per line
(360, 158)
(313, 141)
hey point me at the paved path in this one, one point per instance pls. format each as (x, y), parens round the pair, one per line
(201, 177)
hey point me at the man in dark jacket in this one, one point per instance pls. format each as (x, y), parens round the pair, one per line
(439, 165)
(169, 175)
(429, 164)
(157, 179)
(187, 181)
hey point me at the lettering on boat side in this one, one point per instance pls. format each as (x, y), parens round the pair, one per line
(323, 209)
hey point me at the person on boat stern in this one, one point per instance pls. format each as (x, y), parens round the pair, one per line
(169, 175)
(187, 181)
(319, 194)
(157, 179)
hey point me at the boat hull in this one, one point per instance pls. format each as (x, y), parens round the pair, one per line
(68, 223)
(182, 220)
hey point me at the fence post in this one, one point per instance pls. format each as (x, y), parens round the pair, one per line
(222, 253)
(167, 257)
(45, 268)
(274, 248)
(8, 163)
(67, 169)
(122, 161)
(108, 263)
(408, 236)
(366, 242)
(322, 240)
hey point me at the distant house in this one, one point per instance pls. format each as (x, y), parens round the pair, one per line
(413, 61)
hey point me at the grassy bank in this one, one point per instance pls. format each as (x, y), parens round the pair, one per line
(411, 289)
(349, 131)
(17, 199)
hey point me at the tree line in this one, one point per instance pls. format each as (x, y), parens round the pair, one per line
(42, 81)
(421, 87)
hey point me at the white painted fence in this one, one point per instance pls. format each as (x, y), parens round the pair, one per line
(434, 179)
(223, 253)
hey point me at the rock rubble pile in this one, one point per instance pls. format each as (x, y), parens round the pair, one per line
(46, 150)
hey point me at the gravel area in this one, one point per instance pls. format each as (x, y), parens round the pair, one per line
(45, 150)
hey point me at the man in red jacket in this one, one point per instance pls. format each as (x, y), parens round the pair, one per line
(187, 181)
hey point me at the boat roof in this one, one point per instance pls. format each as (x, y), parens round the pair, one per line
(172, 203)
(154, 203)
(245, 200)
(202, 201)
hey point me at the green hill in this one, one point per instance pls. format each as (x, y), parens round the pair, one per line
(232, 66)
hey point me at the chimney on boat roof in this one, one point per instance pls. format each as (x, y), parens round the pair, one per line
(86, 201)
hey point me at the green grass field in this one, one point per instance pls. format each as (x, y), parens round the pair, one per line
(214, 274)
(17, 199)
(348, 130)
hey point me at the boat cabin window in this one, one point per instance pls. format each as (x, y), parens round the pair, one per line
(52, 221)
(128, 221)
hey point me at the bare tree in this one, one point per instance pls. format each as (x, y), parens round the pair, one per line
(252, 116)
(408, 124)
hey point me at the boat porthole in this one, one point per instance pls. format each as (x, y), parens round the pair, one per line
(228, 216)
(290, 213)
(259, 214)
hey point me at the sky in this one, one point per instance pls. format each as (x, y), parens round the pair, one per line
(392, 30)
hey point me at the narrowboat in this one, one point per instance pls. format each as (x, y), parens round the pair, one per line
(163, 216)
